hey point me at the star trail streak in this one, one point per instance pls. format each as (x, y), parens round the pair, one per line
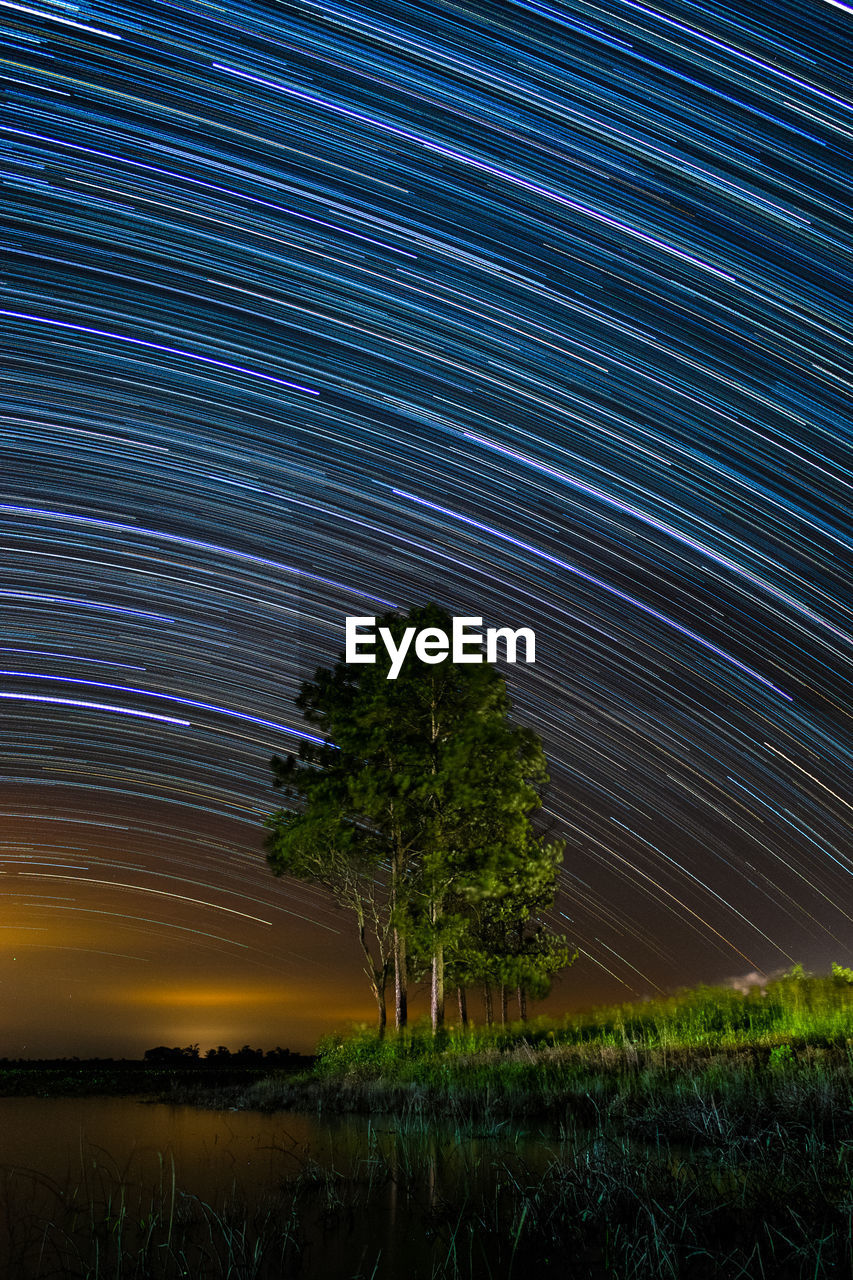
(542, 311)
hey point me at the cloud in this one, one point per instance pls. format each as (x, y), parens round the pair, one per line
(743, 982)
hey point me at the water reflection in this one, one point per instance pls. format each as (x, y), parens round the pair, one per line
(347, 1196)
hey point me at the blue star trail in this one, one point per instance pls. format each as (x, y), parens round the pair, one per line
(541, 311)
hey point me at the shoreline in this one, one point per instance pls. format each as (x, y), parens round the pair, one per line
(696, 1094)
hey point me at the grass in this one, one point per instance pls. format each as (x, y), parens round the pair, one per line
(104, 1226)
(797, 1006)
(705, 1064)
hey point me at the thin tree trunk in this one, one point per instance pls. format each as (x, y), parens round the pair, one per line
(487, 997)
(377, 979)
(522, 1003)
(503, 1004)
(401, 1000)
(462, 999)
(436, 1004)
(436, 911)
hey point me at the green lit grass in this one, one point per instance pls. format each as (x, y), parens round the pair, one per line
(809, 1010)
(703, 1064)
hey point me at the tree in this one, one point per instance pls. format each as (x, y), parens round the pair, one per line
(416, 805)
(479, 782)
(163, 1054)
(508, 945)
(325, 846)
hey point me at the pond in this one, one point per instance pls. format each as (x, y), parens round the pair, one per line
(242, 1193)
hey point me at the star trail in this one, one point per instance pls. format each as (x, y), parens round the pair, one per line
(540, 311)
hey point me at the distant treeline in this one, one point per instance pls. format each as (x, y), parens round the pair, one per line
(162, 1055)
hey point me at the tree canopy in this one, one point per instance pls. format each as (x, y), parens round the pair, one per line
(414, 812)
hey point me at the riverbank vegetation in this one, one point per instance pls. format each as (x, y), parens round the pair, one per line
(592, 1201)
(600, 1211)
(701, 1064)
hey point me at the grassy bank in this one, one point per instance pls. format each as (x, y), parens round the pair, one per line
(706, 1064)
(705, 1135)
(710, 1096)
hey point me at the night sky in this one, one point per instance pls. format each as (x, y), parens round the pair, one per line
(539, 311)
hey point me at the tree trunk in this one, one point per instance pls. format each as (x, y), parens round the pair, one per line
(503, 1004)
(401, 1000)
(522, 1003)
(462, 998)
(487, 998)
(436, 1004)
(378, 979)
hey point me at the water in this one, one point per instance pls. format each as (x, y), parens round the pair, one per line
(215, 1153)
(58, 1153)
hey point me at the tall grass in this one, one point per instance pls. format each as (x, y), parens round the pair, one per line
(706, 1061)
(108, 1229)
(796, 1007)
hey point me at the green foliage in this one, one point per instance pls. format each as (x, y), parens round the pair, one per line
(414, 812)
(783, 1013)
(507, 943)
